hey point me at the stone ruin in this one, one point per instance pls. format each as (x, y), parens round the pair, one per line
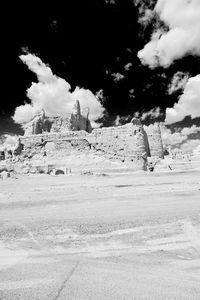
(70, 142)
(72, 122)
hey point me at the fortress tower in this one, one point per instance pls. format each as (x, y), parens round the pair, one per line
(74, 121)
(155, 140)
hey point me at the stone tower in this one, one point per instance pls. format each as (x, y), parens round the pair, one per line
(77, 109)
(155, 140)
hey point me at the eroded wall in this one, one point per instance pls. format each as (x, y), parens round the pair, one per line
(125, 144)
(128, 145)
(155, 140)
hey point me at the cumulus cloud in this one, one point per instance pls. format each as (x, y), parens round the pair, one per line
(182, 18)
(190, 145)
(172, 138)
(190, 130)
(186, 138)
(54, 94)
(188, 104)
(25, 113)
(178, 82)
(9, 142)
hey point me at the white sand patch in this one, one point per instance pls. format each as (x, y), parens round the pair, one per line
(193, 234)
(9, 257)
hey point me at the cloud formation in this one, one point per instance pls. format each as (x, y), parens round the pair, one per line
(188, 104)
(197, 150)
(151, 114)
(54, 95)
(182, 18)
(187, 138)
(117, 76)
(128, 66)
(9, 142)
(178, 82)
(190, 146)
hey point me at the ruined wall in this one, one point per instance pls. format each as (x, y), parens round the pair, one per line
(58, 124)
(56, 145)
(61, 124)
(125, 144)
(155, 140)
(80, 123)
(128, 145)
(74, 121)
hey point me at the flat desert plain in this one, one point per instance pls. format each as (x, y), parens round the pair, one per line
(122, 236)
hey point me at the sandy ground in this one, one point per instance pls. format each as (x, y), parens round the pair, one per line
(133, 236)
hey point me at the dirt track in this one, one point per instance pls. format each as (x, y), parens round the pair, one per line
(133, 236)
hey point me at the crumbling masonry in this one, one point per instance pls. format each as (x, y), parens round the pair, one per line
(65, 140)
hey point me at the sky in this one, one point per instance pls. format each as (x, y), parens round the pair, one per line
(121, 58)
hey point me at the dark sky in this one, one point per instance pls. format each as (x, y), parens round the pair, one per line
(85, 42)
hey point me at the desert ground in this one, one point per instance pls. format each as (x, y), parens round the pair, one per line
(99, 237)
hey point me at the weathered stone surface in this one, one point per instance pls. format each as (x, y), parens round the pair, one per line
(155, 140)
(70, 122)
(71, 138)
(127, 144)
(35, 126)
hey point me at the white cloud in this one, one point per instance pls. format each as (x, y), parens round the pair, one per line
(10, 142)
(196, 150)
(182, 17)
(146, 12)
(54, 95)
(128, 66)
(146, 16)
(190, 130)
(117, 76)
(152, 114)
(117, 121)
(190, 145)
(172, 139)
(178, 82)
(24, 113)
(188, 104)
(181, 138)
